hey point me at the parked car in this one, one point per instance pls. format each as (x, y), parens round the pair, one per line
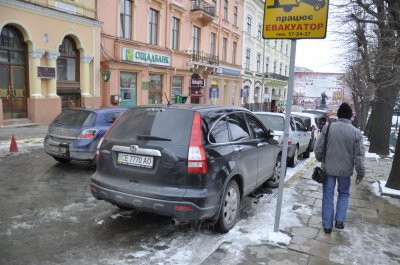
(310, 121)
(322, 114)
(75, 133)
(189, 162)
(299, 136)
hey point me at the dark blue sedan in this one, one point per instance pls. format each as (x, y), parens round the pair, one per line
(75, 133)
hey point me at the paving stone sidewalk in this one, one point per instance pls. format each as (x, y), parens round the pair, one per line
(371, 236)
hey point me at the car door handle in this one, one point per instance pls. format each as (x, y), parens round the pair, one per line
(261, 144)
(238, 149)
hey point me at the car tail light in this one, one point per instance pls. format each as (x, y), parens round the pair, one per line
(88, 134)
(197, 162)
(183, 208)
(289, 142)
(102, 139)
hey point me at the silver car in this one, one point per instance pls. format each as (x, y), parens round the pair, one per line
(299, 135)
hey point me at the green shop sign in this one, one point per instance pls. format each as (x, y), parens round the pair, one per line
(132, 55)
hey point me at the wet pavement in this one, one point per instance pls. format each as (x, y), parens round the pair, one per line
(371, 235)
(48, 216)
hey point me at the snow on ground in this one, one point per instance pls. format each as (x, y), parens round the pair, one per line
(24, 146)
(194, 247)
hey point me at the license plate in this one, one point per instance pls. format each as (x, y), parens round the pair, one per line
(57, 149)
(135, 160)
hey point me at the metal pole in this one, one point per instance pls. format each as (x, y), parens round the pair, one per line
(286, 134)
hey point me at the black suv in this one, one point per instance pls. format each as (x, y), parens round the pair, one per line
(190, 162)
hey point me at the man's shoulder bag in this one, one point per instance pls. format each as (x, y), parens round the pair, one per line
(319, 174)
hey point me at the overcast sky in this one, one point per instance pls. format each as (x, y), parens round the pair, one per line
(321, 55)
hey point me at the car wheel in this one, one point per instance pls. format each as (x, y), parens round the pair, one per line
(273, 182)
(61, 160)
(293, 160)
(306, 154)
(230, 207)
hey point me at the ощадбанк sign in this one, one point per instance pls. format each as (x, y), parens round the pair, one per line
(295, 19)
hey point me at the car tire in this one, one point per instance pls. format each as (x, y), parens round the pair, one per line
(273, 182)
(293, 160)
(62, 160)
(229, 211)
(306, 154)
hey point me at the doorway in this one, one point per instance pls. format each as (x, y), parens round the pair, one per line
(13, 88)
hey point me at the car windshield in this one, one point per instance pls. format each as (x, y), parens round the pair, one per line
(272, 122)
(76, 118)
(157, 124)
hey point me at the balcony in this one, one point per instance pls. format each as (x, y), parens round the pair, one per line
(202, 11)
(202, 57)
(276, 76)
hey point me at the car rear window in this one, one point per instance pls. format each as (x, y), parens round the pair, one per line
(272, 122)
(76, 118)
(153, 123)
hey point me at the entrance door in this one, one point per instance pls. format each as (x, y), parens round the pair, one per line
(155, 89)
(13, 91)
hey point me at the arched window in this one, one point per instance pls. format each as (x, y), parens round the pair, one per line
(68, 62)
(12, 46)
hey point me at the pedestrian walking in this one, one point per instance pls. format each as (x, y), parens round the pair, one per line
(344, 150)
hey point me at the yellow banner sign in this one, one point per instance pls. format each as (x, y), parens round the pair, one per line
(295, 19)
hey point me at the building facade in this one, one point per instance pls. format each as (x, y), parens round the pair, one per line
(162, 50)
(265, 62)
(49, 58)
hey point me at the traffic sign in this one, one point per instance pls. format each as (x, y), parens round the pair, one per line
(295, 19)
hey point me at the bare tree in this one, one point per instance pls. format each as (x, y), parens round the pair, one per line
(376, 29)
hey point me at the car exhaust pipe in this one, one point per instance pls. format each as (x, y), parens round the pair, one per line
(175, 221)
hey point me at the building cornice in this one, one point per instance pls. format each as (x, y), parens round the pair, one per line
(49, 11)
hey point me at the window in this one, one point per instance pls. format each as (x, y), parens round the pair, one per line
(299, 124)
(126, 18)
(175, 33)
(286, 49)
(235, 15)
(258, 62)
(238, 127)
(247, 61)
(12, 49)
(176, 89)
(153, 26)
(68, 62)
(259, 31)
(212, 44)
(285, 70)
(219, 132)
(256, 127)
(234, 48)
(275, 43)
(248, 21)
(214, 2)
(267, 64)
(281, 48)
(226, 9)
(195, 39)
(224, 44)
(280, 68)
(274, 67)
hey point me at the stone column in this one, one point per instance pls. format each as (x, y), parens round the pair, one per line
(52, 82)
(34, 81)
(85, 62)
